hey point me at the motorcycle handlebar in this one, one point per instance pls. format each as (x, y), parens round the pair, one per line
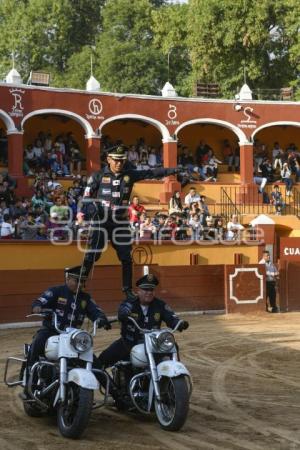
(143, 330)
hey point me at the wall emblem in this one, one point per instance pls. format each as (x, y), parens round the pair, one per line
(17, 108)
(172, 115)
(249, 120)
(95, 107)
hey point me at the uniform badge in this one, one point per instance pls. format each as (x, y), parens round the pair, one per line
(150, 277)
(106, 180)
(83, 304)
(157, 317)
(62, 301)
(116, 194)
(116, 183)
(48, 294)
(106, 191)
(134, 315)
(105, 203)
(126, 190)
(126, 179)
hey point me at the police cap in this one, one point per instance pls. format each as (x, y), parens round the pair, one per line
(76, 272)
(118, 153)
(147, 282)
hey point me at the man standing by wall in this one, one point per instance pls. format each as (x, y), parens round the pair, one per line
(272, 275)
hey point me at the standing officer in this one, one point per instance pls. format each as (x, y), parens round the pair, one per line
(105, 203)
(148, 311)
(272, 276)
(71, 305)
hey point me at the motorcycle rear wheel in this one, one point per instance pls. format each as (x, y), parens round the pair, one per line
(173, 408)
(73, 415)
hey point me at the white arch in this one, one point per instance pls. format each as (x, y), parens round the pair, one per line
(208, 120)
(162, 128)
(274, 124)
(9, 123)
(83, 122)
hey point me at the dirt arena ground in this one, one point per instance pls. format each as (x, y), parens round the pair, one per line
(246, 373)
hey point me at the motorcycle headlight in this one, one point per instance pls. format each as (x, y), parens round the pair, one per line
(165, 341)
(82, 341)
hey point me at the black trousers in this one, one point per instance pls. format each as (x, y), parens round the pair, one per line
(271, 293)
(37, 348)
(120, 236)
(118, 350)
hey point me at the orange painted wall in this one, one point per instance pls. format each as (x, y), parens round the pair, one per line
(55, 125)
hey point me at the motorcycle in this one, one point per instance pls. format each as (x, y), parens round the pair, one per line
(154, 379)
(62, 382)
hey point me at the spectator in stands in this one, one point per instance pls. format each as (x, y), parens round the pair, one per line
(260, 152)
(175, 205)
(277, 200)
(38, 200)
(17, 209)
(27, 228)
(267, 170)
(60, 208)
(210, 231)
(286, 176)
(152, 159)
(191, 197)
(6, 228)
(133, 156)
(195, 225)
(220, 228)
(147, 229)
(210, 169)
(234, 229)
(204, 211)
(277, 156)
(75, 161)
(3, 210)
(135, 210)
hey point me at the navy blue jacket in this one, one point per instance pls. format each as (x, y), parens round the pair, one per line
(62, 300)
(158, 312)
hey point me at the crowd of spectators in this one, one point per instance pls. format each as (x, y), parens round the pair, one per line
(185, 219)
(275, 166)
(60, 155)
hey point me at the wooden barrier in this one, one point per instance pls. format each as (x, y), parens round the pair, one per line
(184, 288)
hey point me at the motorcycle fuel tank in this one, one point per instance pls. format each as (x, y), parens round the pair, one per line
(51, 348)
(138, 356)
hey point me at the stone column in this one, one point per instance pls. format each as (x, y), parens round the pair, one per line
(92, 154)
(170, 161)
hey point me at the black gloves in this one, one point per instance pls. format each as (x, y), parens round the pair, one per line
(104, 323)
(183, 326)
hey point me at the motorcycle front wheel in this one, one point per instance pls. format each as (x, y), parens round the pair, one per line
(74, 413)
(173, 408)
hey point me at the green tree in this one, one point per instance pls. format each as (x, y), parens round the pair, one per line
(170, 36)
(127, 59)
(292, 39)
(45, 33)
(226, 35)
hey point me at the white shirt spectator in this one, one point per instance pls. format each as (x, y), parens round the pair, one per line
(38, 151)
(233, 229)
(152, 160)
(133, 156)
(30, 155)
(191, 198)
(6, 229)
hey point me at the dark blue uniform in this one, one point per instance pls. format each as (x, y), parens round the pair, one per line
(61, 300)
(111, 193)
(158, 311)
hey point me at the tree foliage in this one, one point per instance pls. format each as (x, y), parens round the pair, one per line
(207, 40)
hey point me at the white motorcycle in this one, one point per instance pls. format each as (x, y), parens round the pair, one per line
(154, 379)
(63, 382)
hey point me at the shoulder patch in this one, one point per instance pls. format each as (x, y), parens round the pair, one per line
(48, 294)
(168, 308)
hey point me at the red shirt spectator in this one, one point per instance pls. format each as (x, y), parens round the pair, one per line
(135, 210)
